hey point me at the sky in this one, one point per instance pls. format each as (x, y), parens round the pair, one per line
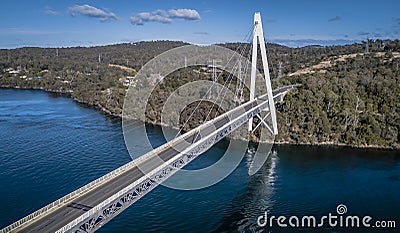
(56, 23)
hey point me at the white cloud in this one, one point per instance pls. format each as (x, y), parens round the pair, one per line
(188, 14)
(93, 12)
(162, 16)
(156, 16)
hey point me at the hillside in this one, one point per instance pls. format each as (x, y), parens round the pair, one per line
(347, 97)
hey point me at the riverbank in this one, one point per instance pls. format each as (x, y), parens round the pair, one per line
(103, 109)
(352, 102)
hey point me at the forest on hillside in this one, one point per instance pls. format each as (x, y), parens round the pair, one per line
(346, 97)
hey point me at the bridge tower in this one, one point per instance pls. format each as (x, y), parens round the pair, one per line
(258, 36)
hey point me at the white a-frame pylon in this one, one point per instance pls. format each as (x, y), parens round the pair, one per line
(258, 36)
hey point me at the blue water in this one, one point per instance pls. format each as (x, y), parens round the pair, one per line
(51, 146)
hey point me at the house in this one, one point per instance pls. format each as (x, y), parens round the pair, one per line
(129, 80)
(14, 72)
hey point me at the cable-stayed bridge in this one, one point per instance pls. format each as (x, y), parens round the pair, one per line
(93, 205)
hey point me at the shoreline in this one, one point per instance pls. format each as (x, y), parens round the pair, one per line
(106, 111)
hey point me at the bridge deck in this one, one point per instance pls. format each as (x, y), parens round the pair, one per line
(71, 210)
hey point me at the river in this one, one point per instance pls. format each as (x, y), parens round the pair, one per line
(51, 146)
